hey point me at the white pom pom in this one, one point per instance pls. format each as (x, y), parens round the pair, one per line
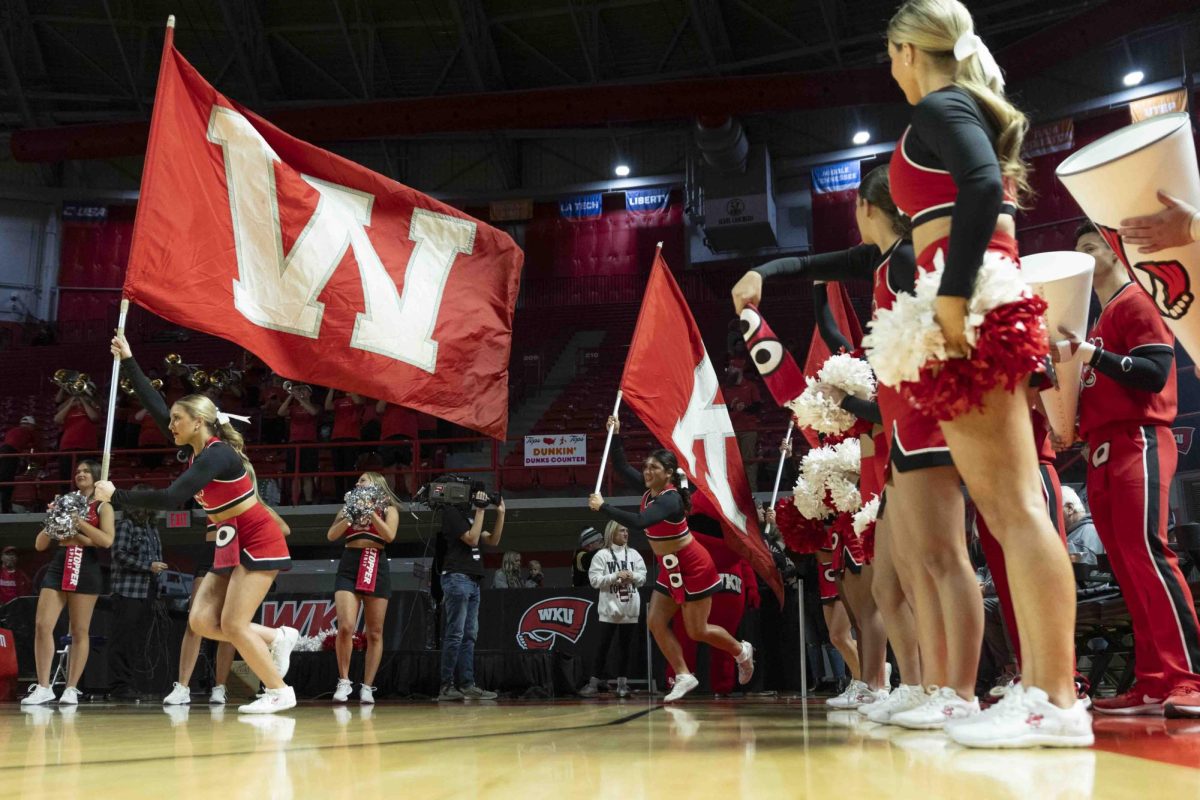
(866, 515)
(904, 338)
(844, 494)
(809, 498)
(852, 375)
(814, 409)
(847, 458)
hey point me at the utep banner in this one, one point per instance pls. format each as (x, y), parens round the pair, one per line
(646, 201)
(581, 206)
(839, 177)
(330, 273)
(557, 450)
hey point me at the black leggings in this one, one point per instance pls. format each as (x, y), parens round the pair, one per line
(626, 650)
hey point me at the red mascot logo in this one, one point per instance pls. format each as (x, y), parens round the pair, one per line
(1170, 287)
(546, 620)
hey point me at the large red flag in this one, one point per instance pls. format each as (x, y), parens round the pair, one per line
(671, 385)
(331, 273)
(818, 352)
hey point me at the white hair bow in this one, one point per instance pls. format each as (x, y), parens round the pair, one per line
(683, 481)
(224, 418)
(969, 44)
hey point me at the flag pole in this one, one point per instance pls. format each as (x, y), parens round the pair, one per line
(607, 445)
(112, 394)
(783, 453)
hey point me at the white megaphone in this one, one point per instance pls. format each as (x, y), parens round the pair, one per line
(1064, 281)
(1119, 176)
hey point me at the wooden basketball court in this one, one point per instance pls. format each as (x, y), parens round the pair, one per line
(756, 749)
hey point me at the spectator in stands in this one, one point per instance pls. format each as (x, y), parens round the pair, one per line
(301, 414)
(136, 564)
(347, 409)
(617, 571)
(149, 436)
(368, 431)
(743, 400)
(462, 571)
(271, 396)
(535, 578)
(77, 416)
(17, 439)
(13, 582)
(398, 424)
(590, 540)
(509, 574)
(1083, 542)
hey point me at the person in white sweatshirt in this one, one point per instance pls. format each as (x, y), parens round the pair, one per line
(617, 570)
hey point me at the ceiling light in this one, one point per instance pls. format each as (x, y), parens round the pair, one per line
(862, 137)
(622, 170)
(1133, 78)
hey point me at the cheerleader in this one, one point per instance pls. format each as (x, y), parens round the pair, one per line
(957, 173)
(364, 581)
(73, 580)
(885, 258)
(250, 547)
(687, 577)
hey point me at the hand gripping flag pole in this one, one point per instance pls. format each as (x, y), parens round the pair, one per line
(607, 445)
(783, 454)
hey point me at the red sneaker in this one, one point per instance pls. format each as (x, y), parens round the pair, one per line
(1183, 704)
(1132, 703)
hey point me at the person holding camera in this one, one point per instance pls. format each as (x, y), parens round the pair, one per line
(461, 574)
(617, 571)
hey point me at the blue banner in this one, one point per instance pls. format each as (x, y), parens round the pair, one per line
(581, 206)
(838, 177)
(643, 201)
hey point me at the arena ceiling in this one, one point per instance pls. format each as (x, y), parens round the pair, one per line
(73, 62)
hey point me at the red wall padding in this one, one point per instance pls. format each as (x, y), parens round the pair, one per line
(93, 255)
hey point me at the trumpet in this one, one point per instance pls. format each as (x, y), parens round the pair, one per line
(197, 377)
(173, 360)
(297, 389)
(127, 387)
(217, 379)
(83, 385)
(157, 384)
(64, 378)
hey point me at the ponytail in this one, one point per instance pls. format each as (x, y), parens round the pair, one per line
(939, 28)
(876, 189)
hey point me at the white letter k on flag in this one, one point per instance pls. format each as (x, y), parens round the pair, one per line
(708, 421)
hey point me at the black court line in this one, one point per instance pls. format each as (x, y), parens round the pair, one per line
(316, 747)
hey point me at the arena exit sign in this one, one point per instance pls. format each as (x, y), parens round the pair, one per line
(179, 519)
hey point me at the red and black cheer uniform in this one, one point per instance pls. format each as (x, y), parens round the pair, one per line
(687, 574)
(1127, 403)
(364, 571)
(218, 480)
(74, 568)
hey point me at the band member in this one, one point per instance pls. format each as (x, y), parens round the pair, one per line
(251, 549)
(886, 259)
(364, 581)
(687, 578)
(301, 413)
(1127, 403)
(347, 409)
(957, 173)
(73, 580)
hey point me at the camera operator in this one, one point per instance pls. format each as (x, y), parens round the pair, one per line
(462, 572)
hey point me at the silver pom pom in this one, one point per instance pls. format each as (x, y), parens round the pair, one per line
(62, 514)
(361, 502)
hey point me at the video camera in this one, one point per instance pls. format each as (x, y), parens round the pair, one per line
(455, 490)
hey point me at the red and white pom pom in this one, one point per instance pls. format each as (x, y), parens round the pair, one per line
(850, 374)
(800, 534)
(1005, 327)
(844, 493)
(809, 498)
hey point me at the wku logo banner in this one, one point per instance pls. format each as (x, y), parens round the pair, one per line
(331, 273)
(546, 620)
(671, 385)
(310, 617)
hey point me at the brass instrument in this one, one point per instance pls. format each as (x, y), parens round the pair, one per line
(197, 377)
(64, 378)
(173, 360)
(157, 384)
(217, 379)
(127, 387)
(83, 385)
(297, 389)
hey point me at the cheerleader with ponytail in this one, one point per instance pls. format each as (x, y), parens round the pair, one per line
(687, 576)
(250, 545)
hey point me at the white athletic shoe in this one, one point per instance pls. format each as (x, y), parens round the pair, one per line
(904, 698)
(366, 694)
(1025, 717)
(745, 664)
(271, 701)
(683, 684)
(37, 695)
(846, 700)
(869, 698)
(217, 696)
(69, 697)
(342, 693)
(941, 707)
(887, 675)
(180, 695)
(281, 649)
